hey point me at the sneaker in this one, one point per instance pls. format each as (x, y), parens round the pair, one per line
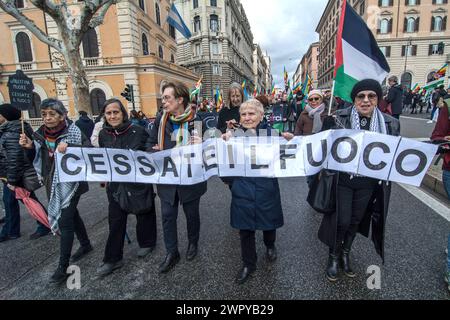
(81, 252)
(38, 235)
(430, 121)
(143, 252)
(59, 276)
(108, 268)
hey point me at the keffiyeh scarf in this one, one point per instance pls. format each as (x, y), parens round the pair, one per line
(376, 123)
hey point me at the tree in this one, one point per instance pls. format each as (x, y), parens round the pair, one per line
(73, 20)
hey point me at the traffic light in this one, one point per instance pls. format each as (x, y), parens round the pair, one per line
(441, 46)
(128, 93)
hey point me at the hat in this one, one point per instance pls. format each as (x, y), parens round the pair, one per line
(315, 92)
(367, 84)
(9, 112)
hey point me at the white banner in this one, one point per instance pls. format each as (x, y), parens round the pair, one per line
(358, 152)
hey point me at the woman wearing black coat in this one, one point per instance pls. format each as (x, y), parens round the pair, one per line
(229, 116)
(172, 129)
(119, 133)
(256, 202)
(362, 202)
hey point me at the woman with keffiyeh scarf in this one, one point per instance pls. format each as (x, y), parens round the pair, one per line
(362, 202)
(172, 129)
(56, 135)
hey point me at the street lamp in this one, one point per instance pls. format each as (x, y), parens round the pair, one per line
(406, 53)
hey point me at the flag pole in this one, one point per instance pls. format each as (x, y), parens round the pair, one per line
(331, 98)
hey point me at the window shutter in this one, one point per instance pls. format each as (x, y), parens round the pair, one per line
(391, 3)
(406, 2)
(434, 1)
(414, 50)
(388, 51)
(432, 24)
(417, 24)
(418, 2)
(444, 24)
(390, 26)
(403, 50)
(405, 25)
(379, 3)
(430, 49)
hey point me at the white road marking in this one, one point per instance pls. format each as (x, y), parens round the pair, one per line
(412, 118)
(441, 208)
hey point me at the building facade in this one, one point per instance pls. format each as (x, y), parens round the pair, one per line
(133, 46)
(269, 76)
(310, 64)
(221, 47)
(413, 35)
(260, 69)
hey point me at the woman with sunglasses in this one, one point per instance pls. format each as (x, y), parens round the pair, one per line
(361, 201)
(310, 120)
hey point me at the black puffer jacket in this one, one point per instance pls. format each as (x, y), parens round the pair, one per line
(127, 136)
(395, 98)
(13, 161)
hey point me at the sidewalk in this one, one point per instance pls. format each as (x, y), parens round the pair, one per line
(433, 180)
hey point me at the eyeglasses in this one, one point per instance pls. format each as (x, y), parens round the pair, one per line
(314, 99)
(370, 96)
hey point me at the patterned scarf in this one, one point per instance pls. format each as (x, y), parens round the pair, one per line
(315, 114)
(181, 133)
(376, 123)
(51, 134)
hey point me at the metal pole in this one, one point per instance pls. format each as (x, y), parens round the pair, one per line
(132, 96)
(331, 98)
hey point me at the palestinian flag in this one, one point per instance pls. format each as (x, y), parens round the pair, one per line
(357, 54)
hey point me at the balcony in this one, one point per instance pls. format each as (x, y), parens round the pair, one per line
(92, 62)
(26, 66)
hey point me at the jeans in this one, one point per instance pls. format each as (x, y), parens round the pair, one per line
(446, 180)
(11, 227)
(169, 219)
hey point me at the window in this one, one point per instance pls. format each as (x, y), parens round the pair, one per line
(145, 51)
(215, 47)
(198, 51)
(158, 14)
(384, 3)
(19, 4)
(386, 51)
(410, 24)
(97, 98)
(161, 52)
(213, 3)
(90, 44)
(437, 23)
(197, 24)
(384, 26)
(172, 31)
(411, 2)
(439, 1)
(195, 4)
(433, 49)
(411, 51)
(216, 70)
(35, 111)
(24, 47)
(214, 23)
(406, 80)
(142, 4)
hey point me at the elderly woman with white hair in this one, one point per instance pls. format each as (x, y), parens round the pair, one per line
(256, 202)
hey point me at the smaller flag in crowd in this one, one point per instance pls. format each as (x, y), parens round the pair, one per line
(416, 88)
(219, 98)
(286, 76)
(297, 88)
(441, 72)
(273, 90)
(198, 87)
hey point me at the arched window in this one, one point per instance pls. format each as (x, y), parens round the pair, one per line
(430, 76)
(214, 23)
(411, 25)
(384, 26)
(145, 51)
(90, 44)
(24, 47)
(158, 14)
(406, 80)
(98, 98)
(142, 4)
(35, 111)
(161, 52)
(437, 24)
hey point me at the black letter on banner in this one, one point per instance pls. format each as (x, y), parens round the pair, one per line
(284, 156)
(367, 152)
(64, 164)
(143, 161)
(117, 159)
(423, 162)
(173, 168)
(230, 155)
(353, 151)
(188, 157)
(310, 155)
(94, 163)
(208, 157)
(253, 160)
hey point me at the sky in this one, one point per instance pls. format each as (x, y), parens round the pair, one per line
(285, 29)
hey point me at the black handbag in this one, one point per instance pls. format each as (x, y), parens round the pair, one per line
(322, 193)
(135, 198)
(30, 180)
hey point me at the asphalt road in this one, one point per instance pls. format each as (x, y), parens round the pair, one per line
(414, 267)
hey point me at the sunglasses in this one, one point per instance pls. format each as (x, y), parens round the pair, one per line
(362, 96)
(314, 99)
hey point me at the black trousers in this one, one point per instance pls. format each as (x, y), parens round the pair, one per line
(169, 220)
(248, 245)
(117, 218)
(354, 197)
(70, 223)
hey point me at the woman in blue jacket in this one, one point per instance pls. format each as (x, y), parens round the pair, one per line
(256, 202)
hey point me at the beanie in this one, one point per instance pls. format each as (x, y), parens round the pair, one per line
(9, 112)
(367, 84)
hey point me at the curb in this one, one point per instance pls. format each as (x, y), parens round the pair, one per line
(434, 184)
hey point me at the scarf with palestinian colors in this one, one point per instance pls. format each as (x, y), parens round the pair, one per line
(181, 120)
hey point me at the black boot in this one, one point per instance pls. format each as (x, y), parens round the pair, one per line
(332, 267)
(345, 258)
(60, 275)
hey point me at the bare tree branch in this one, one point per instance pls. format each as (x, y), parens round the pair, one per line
(9, 7)
(104, 6)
